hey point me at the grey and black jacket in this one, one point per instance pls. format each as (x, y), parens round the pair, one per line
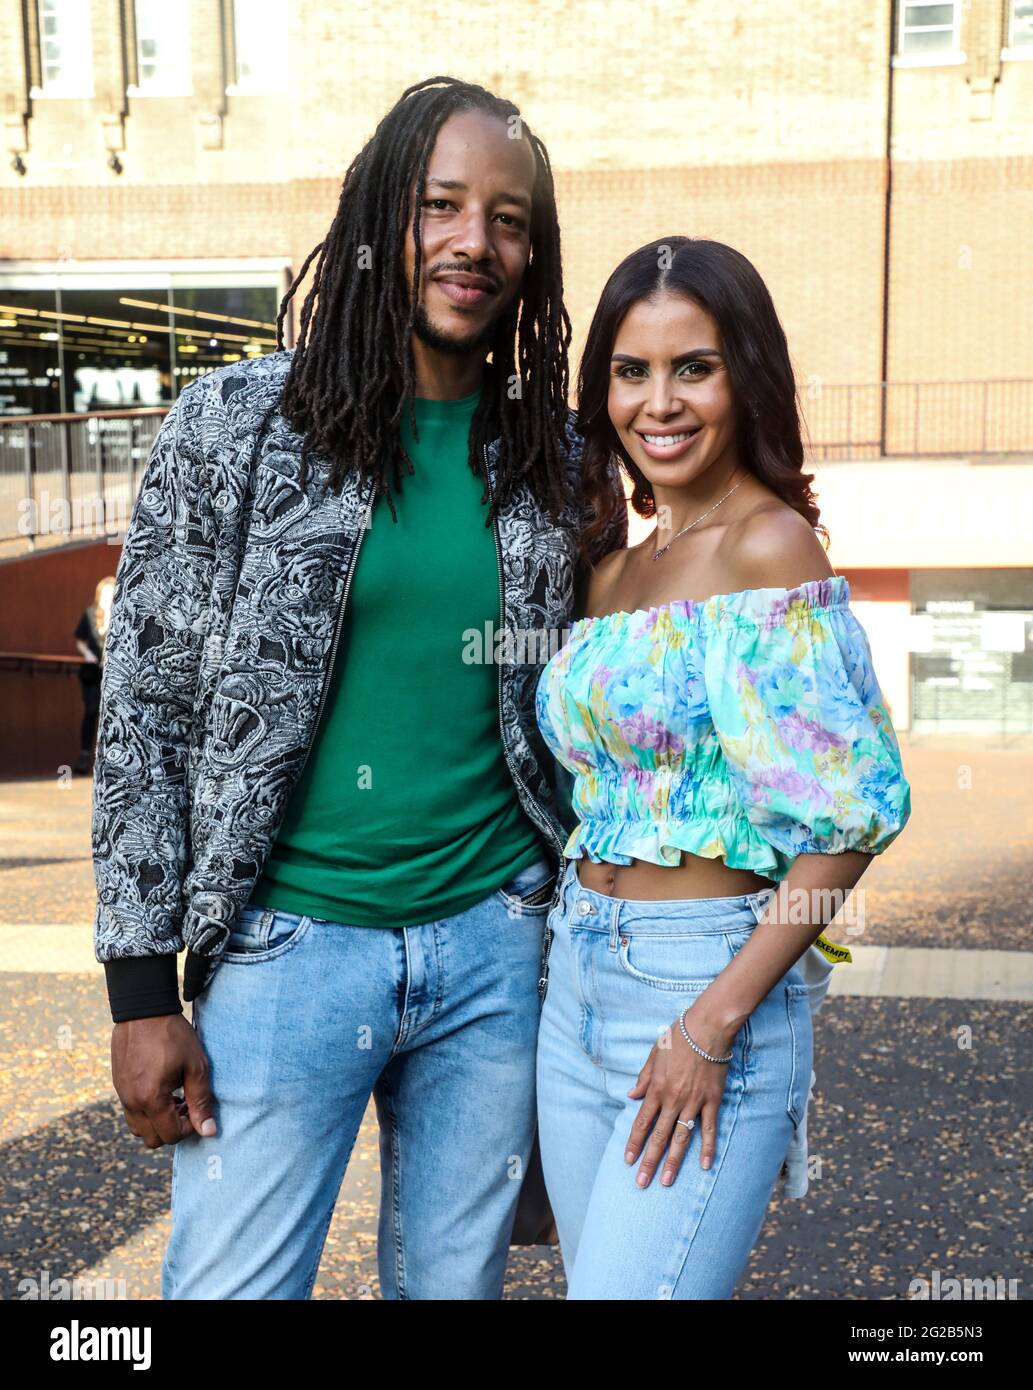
(229, 595)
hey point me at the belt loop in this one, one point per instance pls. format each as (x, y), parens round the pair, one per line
(615, 921)
(265, 926)
(573, 891)
(761, 900)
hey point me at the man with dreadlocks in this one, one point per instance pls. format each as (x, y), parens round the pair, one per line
(317, 769)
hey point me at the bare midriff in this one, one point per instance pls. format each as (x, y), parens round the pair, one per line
(694, 877)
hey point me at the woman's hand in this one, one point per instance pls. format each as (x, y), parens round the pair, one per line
(677, 1084)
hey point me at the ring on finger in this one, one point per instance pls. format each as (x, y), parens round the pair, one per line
(689, 1124)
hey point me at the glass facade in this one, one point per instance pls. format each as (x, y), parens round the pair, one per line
(125, 338)
(972, 651)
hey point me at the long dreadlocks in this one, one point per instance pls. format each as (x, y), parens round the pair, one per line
(353, 370)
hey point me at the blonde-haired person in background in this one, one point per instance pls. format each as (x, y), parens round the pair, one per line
(91, 636)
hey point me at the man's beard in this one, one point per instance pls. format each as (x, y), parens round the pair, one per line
(457, 347)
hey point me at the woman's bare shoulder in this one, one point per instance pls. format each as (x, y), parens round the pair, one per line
(774, 546)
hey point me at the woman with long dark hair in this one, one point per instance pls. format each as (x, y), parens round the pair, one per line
(735, 769)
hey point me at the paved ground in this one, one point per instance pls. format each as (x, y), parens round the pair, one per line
(922, 1117)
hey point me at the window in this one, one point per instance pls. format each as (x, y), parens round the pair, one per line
(259, 46)
(65, 49)
(125, 335)
(1020, 30)
(162, 48)
(928, 33)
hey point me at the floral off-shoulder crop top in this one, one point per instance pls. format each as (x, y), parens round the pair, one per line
(747, 726)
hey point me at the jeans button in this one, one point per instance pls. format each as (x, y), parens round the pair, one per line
(584, 907)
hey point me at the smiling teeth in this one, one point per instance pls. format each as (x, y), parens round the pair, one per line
(668, 441)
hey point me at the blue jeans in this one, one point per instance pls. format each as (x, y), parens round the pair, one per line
(620, 972)
(303, 1020)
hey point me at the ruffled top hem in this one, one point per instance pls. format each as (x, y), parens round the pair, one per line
(663, 842)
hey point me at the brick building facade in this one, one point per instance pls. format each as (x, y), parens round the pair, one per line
(873, 158)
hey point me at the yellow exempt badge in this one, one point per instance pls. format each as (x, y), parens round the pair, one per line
(831, 951)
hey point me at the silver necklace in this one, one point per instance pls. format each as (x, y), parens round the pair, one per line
(714, 508)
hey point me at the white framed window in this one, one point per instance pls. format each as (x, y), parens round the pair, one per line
(162, 49)
(65, 49)
(928, 33)
(259, 46)
(1020, 30)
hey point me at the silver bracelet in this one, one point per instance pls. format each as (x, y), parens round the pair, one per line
(685, 1035)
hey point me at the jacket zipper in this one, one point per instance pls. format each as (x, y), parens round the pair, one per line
(532, 806)
(540, 821)
(330, 666)
(337, 634)
(543, 960)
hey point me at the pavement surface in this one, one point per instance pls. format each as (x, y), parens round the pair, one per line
(921, 1123)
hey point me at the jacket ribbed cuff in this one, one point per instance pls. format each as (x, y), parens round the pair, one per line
(142, 987)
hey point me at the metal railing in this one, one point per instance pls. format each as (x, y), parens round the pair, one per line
(915, 419)
(79, 473)
(72, 474)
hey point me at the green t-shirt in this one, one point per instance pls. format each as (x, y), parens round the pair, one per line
(405, 811)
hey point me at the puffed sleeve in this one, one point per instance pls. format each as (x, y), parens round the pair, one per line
(802, 721)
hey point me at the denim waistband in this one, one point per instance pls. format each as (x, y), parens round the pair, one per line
(599, 910)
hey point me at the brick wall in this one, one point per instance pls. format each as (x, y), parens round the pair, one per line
(762, 126)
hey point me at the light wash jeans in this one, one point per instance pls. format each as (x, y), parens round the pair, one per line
(620, 972)
(303, 1019)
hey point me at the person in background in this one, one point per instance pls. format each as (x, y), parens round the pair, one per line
(91, 636)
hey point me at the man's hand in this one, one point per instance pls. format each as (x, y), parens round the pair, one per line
(150, 1058)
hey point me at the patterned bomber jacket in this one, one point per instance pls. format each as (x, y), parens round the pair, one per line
(229, 595)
